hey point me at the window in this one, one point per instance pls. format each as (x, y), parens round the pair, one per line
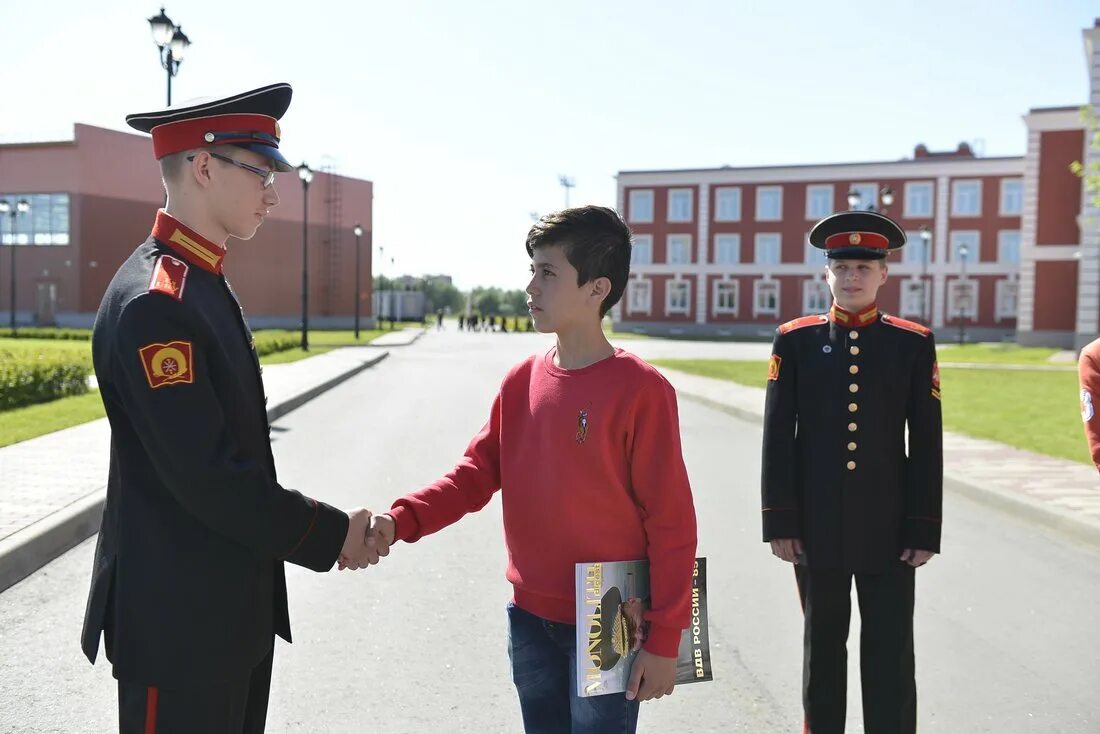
(914, 299)
(679, 205)
(819, 201)
(727, 204)
(1008, 246)
(725, 296)
(918, 199)
(913, 252)
(1008, 293)
(966, 198)
(47, 223)
(766, 249)
(816, 297)
(679, 249)
(642, 251)
(962, 299)
(765, 298)
(1012, 197)
(967, 239)
(814, 255)
(639, 296)
(727, 249)
(641, 205)
(677, 296)
(769, 203)
(868, 195)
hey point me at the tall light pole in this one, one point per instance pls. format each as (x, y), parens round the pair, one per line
(926, 241)
(20, 207)
(381, 315)
(965, 299)
(306, 174)
(566, 183)
(358, 231)
(886, 198)
(171, 43)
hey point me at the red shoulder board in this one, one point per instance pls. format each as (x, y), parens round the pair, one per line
(912, 326)
(169, 277)
(802, 322)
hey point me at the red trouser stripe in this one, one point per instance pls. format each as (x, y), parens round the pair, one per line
(151, 711)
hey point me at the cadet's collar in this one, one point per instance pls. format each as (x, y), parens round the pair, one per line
(846, 318)
(187, 243)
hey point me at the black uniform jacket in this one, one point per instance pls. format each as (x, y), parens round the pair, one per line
(842, 388)
(187, 583)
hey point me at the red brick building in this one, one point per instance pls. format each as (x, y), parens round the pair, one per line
(93, 199)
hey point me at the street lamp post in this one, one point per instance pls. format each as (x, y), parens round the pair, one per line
(20, 207)
(886, 198)
(306, 174)
(172, 44)
(358, 231)
(381, 315)
(964, 300)
(926, 241)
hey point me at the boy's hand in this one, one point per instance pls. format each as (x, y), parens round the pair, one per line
(651, 676)
(916, 557)
(787, 549)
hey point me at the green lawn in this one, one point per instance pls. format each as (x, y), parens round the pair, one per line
(993, 353)
(1037, 411)
(20, 424)
(30, 346)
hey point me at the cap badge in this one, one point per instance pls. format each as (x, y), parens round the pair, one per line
(854, 238)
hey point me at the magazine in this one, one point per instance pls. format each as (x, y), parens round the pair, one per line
(611, 599)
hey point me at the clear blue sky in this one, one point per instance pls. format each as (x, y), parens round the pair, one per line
(464, 114)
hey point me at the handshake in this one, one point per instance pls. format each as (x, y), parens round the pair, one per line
(369, 539)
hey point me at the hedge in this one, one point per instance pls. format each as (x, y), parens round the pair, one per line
(36, 378)
(276, 341)
(44, 333)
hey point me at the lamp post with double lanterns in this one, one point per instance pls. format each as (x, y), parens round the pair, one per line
(964, 294)
(926, 242)
(357, 230)
(886, 198)
(172, 44)
(13, 210)
(305, 173)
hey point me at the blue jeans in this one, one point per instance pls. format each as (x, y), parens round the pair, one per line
(544, 669)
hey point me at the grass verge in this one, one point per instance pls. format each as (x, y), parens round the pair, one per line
(20, 424)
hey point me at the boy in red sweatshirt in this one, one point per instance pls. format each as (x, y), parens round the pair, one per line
(584, 430)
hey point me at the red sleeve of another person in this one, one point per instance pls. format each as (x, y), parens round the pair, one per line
(1089, 370)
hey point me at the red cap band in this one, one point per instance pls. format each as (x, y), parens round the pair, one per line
(175, 137)
(870, 240)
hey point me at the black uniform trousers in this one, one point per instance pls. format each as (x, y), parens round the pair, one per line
(885, 647)
(233, 707)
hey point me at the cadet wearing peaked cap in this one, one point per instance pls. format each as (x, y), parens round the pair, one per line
(841, 495)
(188, 583)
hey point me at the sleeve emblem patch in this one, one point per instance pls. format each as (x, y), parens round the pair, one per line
(773, 367)
(167, 364)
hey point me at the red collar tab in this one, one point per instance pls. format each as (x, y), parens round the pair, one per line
(187, 243)
(846, 318)
(868, 240)
(175, 137)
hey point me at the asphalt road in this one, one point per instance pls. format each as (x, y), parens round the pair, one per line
(1007, 634)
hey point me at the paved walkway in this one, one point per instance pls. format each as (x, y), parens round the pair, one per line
(52, 488)
(1057, 493)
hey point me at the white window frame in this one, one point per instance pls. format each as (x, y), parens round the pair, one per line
(953, 241)
(830, 194)
(757, 286)
(953, 289)
(778, 248)
(1001, 245)
(686, 239)
(779, 203)
(810, 286)
(955, 212)
(910, 187)
(669, 308)
(632, 205)
(728, 236)
(719, 214)
(731, 285)
(634, 301)
(690, 215)
(642, 243)
(1001, 313)
(911, 289)
(1001, 210)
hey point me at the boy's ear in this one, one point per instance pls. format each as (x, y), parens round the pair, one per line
(601, 287)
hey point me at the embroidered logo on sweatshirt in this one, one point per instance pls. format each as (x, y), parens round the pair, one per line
(582, 426)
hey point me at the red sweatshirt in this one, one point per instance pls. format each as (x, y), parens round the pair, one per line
(590, 469)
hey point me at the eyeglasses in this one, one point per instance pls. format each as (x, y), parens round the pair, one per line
(267, 175)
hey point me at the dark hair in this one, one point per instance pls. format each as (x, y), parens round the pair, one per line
(596, 241)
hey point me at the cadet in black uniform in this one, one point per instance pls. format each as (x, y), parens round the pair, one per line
(187, 584)
(842, 497)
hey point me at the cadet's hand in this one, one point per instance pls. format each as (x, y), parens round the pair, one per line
(355, 554)
(787, 549)
(382, 532)
(916, 557)
(651, 676)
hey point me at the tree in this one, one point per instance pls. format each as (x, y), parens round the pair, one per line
(441, 294)
(1090, 172)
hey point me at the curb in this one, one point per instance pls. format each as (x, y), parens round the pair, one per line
(1021, 507)
(27, 550)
